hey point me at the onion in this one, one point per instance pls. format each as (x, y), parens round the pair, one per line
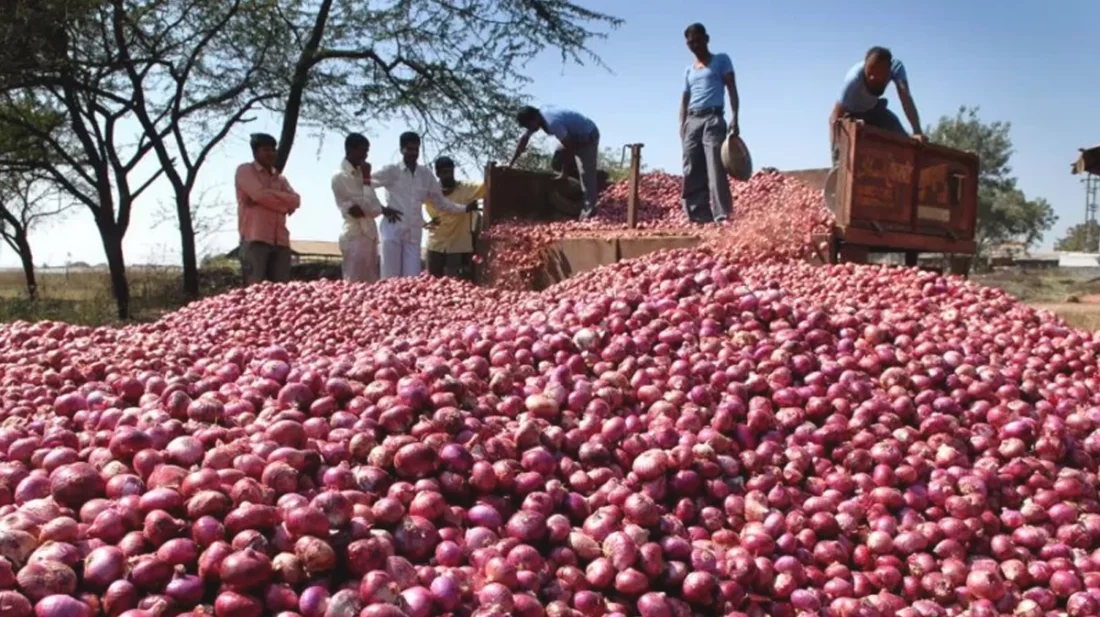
(104, 566)
(245, 569)
(185, 589)
(14, 604)
(121, 596)
(62, 606)
(38, 580)
(233, 604)
(315, 555)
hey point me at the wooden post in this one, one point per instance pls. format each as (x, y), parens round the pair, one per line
(486, 202)
(635, 171)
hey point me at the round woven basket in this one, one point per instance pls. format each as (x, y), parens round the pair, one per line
(736, 158)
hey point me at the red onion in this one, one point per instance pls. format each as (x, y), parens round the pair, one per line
(103, 566)
(233, 604)
(15, 604)
(46, 578)
(62, 606)
(245, 569)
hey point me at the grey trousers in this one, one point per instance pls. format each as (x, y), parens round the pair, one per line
(706, 189)
(588, 158)
(261, 261)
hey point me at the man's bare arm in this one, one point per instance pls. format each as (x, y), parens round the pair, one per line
(910, 108)
(834, 122)
(520, 147)
(735, 102)
(684, 113)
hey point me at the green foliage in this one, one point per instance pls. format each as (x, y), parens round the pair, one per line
(538, 158)
(455, 71)
(1005, 214)
(36, 36)
(1081, 238)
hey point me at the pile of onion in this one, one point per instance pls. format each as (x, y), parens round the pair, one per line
(717, 431)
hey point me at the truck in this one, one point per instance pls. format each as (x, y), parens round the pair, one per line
(888, 193)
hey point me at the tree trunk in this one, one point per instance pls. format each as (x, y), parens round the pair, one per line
(116, 264)
(187, 246)
(298, 82)
(27, 258)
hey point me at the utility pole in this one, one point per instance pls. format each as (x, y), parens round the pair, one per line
(1092, 184)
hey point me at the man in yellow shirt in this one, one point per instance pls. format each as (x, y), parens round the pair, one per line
(450, 239)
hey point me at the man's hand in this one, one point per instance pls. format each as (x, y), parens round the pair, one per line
(391, 214)
(471, 207)
(735, 128)
(356, 212)
(920, 137)
(432, 224)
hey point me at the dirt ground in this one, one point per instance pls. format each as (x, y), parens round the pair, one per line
(1068, 293)
(1084, 316)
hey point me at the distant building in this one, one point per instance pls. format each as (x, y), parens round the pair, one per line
(1078, 260)
(306, 251)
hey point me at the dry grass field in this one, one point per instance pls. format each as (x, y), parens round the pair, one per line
(84, 295)
(1070, 294)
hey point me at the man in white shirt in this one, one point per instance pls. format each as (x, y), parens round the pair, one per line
(359, 206)
(407, 186)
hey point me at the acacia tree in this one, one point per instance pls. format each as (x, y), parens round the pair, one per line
(184, 71)
(1004, 212)
(72, 111)
(540, 158)
(25, 202)
(1080, 238)
(453, 69)
(195, 69)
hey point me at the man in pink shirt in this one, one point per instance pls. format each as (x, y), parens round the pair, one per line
(264, 200)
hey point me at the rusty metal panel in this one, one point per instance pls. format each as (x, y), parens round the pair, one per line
(516, 193)
(896, 241)
(880, 172)
(947, 193)
(890, 184)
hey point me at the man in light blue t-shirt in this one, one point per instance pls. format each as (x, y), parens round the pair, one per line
(707, 80)
(579, 138)
(862, 100)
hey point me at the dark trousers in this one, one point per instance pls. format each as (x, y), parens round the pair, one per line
(458, 265)
(879, 117)
(261, 261)
(706, 188)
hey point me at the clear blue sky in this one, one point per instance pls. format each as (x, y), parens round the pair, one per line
(1030, 63)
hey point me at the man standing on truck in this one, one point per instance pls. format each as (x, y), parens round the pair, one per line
(862, 100)
(706, 188)
(407, 186)
(450, 236)
(579, 139)
(264, 200)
